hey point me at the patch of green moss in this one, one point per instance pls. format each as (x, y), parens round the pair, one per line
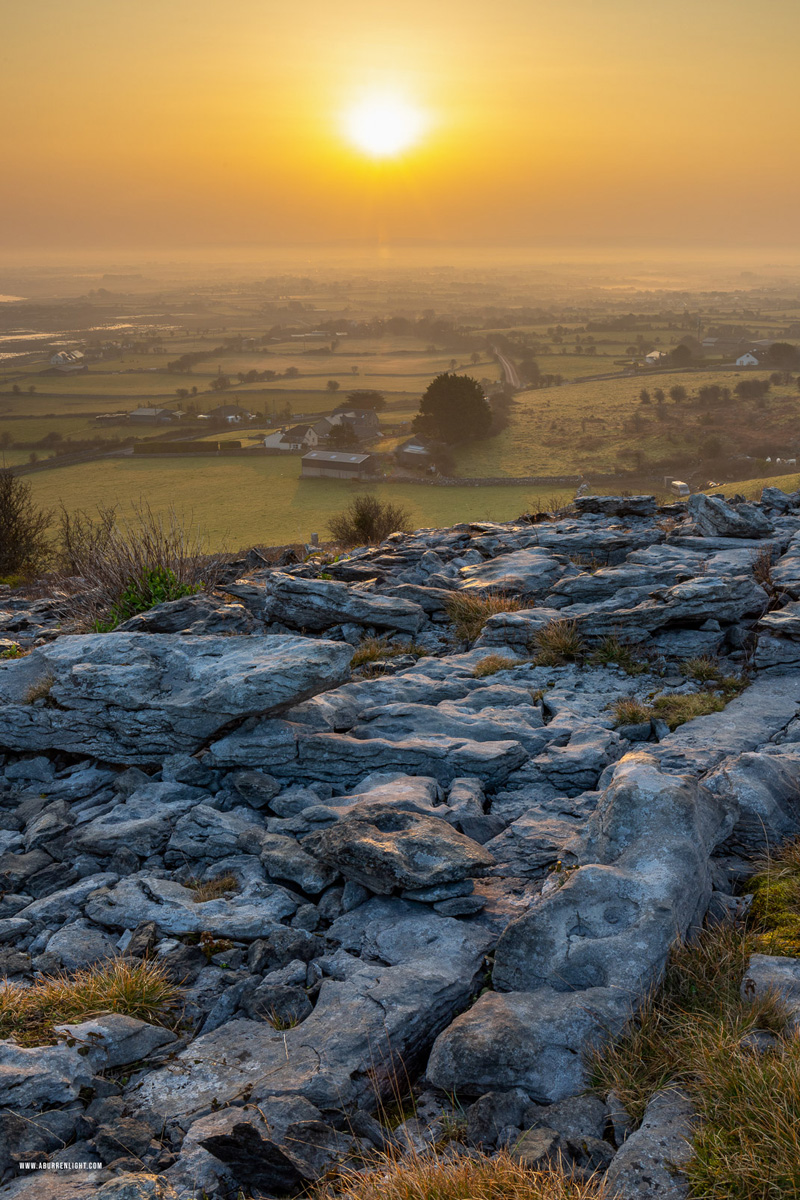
(775, 911)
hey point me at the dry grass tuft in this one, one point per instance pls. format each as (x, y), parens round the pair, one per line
(612, 650)
(437, 1177)
(689, 1033)
(557, 643)
(373, 649)
(39, 690)
(140, 989)
(704, 669)
(224, 885)
(677, 709)
(631, 712)
(492, 664)
(469, 611)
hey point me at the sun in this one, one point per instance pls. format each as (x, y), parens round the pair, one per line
(384, 125)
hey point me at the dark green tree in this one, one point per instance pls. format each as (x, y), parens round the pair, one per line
(453, 409)
(367, 398)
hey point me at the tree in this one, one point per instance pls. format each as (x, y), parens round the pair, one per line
(23, 527)
(453, 409)
(475, 358)
(678, 394)
(681, 356)
(644, 396)
(342, 436)
(783, 354)
(368, 519)
(367, 398)
(658, 395)
(332, 385)
(529, 370)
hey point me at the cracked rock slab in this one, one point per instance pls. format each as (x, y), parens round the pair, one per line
(135, 697)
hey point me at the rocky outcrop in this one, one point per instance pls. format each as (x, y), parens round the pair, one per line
(134, 698)
(457, 864)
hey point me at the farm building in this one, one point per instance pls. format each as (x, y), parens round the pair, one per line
(151, 416)
(299, 437)
(747, 360)
(234, 414)
(655, 358)
(363, 421)
(334, 464)
(68, 360)
(415, 452)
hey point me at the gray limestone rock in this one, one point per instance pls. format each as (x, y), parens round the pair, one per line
(616, 506)
(80, 944)
(173, 909)
(714, 518)
(385, 849)
(647, 1167)
(318, 604)
(132, 698)
(770, 974)
(114, 1039)
(283, 858)
(530, 572)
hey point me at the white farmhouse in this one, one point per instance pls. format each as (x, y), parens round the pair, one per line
(747, 360)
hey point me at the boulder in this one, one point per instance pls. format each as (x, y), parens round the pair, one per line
(647, 1167)
(347, 1052)
(173, 909)
(769, 974)
(528, 1040)
(383, 849)
(318, 604)
(133, 697)
(616, 506)
(522, 573)
(114, 1039)
(765, 789)
(714, 518)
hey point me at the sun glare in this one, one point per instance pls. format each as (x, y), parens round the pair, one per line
(383, 126)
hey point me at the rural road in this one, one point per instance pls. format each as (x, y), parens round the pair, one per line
(509, 370)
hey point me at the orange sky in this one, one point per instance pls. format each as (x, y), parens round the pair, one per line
(201, 123)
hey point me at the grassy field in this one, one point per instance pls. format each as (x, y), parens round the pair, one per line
(598, 425)
(263, 502)
(751, 488)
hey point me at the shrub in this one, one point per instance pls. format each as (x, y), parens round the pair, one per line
(492, 664)
(368, 519)
(557, 643)
(139, 989)
(155, 586)
(470, 611)
(24, 546)
(129, 564)
(39, 690)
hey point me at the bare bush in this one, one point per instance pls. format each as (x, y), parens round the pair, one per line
(129, 563)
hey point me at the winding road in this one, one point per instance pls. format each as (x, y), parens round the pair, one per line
(509, 370)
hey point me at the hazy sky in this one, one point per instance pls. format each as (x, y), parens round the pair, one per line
(197, 122)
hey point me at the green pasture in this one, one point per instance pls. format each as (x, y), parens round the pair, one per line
(263, 501)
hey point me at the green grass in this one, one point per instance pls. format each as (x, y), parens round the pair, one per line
(261, 501)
